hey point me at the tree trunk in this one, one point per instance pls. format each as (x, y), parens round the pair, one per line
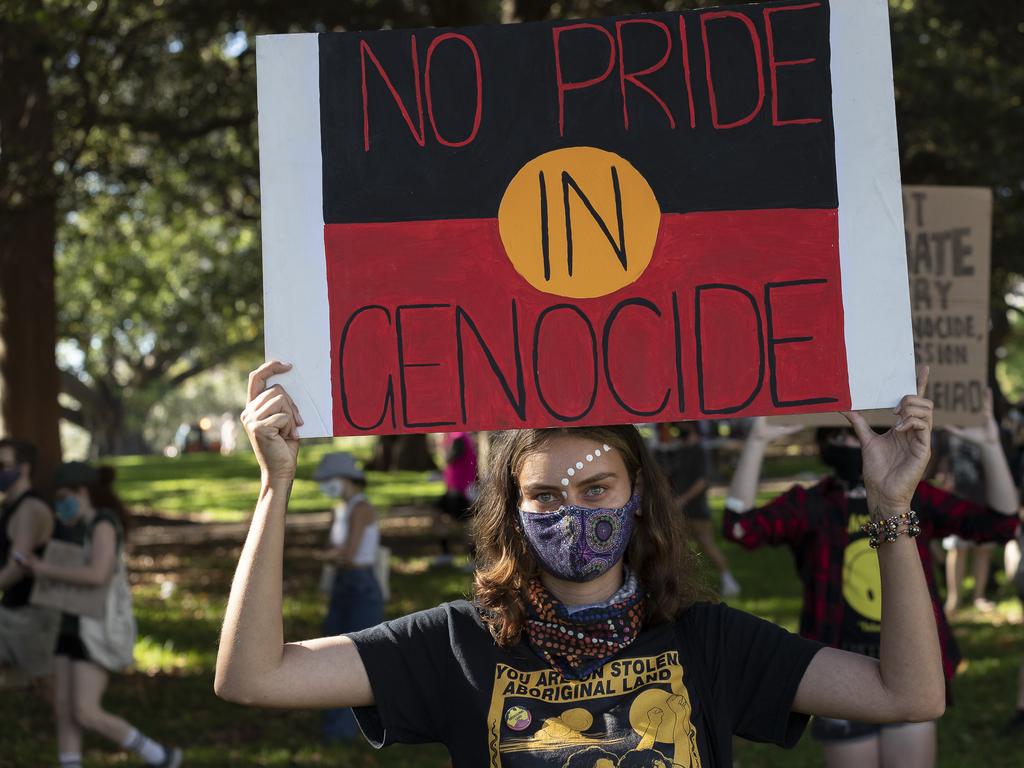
(394, 452)
(29, 381)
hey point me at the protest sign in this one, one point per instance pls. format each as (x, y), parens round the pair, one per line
(949, 256)
(659, 217)
(75, 599)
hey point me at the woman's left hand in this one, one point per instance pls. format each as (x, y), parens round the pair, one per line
(895, 462)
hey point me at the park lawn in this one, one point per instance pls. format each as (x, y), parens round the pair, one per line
(215, 488)
(211, 487)
(180, 596)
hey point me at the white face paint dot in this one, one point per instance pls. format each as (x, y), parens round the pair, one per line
(607, 448)
(565, 495)
(590, 457)
(565, 481)
(571, 471)
(597, 452)
(579, 465)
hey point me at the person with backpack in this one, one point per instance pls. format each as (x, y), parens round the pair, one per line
(823, 526)
(89, 649)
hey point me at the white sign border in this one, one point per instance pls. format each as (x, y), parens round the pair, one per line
(296, 313)
(872, 245)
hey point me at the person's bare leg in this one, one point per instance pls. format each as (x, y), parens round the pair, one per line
(69, 734)
(856, 753)
(706, 543)
(1020, 686)
(90, 681)
(909, 746)
(956, 566)
(1011, 558)
(980, 568)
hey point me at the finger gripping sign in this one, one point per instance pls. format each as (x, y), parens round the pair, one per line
(659, 217)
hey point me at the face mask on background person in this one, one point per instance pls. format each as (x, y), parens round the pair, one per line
(846, 461)
(9, 477)
(579, 543)
(67, 509)
(333, 488)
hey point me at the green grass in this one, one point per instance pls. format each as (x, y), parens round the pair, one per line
(180, 597)
(224, 489)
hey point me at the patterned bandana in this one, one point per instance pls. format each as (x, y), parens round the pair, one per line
(578, 643)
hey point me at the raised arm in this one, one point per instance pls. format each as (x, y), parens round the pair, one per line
(743, 488)
(1000, 491)
(906, 682)
(254, 664)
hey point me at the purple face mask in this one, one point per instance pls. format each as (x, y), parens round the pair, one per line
(579, 543)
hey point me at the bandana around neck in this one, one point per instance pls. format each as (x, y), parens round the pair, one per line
(578, 643)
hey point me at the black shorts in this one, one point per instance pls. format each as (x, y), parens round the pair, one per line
(828, 730)
(72, 647)
(455, 505)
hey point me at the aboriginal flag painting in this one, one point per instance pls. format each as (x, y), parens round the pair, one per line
(578, 222)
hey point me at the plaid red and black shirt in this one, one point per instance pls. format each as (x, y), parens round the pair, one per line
(813, 523)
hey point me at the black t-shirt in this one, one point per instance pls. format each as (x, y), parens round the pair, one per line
(673, 698)
(862, 586)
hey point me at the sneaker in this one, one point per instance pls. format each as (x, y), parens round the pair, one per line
(172, 759)
(984, 606)
(730, 587)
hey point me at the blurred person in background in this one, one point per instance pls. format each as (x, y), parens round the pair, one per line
(228, 434)
(822, 525)
(679, 451)
(356, 600)
(962, 473)
(459, 485)
(88, 650)
(27, 632)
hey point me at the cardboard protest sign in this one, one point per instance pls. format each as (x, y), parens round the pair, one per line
(659, 217)
(949, 260)
(68, 598)
(949, 257)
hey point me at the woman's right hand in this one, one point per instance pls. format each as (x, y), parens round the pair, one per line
(271, 420)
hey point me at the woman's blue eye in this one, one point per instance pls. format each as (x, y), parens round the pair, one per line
(596, 490)
(545, 498)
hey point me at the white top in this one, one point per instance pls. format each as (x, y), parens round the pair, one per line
(366, 552)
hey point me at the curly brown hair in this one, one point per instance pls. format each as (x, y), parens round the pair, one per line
(659, 551)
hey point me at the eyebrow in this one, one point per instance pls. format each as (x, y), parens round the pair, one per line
(538, 487)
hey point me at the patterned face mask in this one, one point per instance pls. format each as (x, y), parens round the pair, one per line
(579, 543)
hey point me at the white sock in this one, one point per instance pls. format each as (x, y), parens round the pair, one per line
(70, 759)
(149, 750)
(730, 587)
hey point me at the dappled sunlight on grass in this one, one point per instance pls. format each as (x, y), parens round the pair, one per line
(180, 594)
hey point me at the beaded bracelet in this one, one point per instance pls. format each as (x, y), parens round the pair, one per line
(891, 528)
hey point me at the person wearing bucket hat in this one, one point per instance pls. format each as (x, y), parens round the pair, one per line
(91, 515)
(356, 601)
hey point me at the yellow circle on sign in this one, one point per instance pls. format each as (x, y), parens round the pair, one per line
(579, 222)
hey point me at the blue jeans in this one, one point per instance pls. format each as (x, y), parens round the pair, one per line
(356, 603)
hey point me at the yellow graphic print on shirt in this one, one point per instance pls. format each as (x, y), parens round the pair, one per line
(631, 713)
(862, 580)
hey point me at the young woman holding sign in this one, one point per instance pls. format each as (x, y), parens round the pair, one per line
(586, 642)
